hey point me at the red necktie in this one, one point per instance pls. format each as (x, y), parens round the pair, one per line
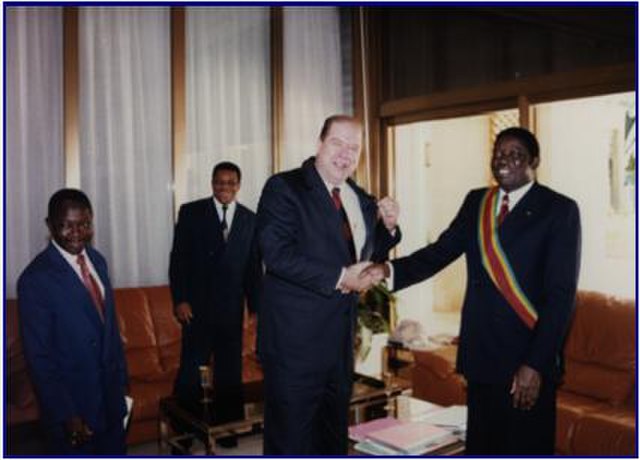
(92, 286)
(504, 209)
(346, 228)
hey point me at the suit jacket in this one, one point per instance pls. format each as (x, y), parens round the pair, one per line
(302, 316)
(214, 276)
(541, 239)
(76, 361)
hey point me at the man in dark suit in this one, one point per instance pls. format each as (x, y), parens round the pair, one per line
(314, 224)
(214, 267)
(522, 246)
(70, 334)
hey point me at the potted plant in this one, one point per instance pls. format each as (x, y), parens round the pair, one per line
(376, 307)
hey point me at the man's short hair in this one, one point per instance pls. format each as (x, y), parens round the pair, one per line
(326, 126)
(67, 198)
(227, 166)
(523, 135)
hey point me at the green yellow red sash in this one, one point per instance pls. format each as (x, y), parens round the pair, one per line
(496, 263)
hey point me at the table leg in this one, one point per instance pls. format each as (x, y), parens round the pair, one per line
(163, 434)
(210, 445)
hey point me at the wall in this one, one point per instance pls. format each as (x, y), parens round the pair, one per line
(577, 138)
(437, 163)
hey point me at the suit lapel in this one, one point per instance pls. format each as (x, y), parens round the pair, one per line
(73, 287)
(523, 214)
(109, 302)
(369, 214)
(237, 225)
(213, 226)
(322, 198)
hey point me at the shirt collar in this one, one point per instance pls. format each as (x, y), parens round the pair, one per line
(71, 258)
(331, 186)
(515, 195)
(231, 206)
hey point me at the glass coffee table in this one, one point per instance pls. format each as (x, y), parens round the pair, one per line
(371, 398)
(198, 422)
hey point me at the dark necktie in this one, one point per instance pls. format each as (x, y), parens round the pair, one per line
(225, 226)
(92, 286)
(504, 209)
(346, 227)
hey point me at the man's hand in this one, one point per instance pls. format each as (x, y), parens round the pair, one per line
(525, 387)
(377, 272)
(78, 432)
(352, 281)
(388, 211)
(184, 313)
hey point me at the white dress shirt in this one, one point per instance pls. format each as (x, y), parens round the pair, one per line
(514, 196)
(351, 205)
(231, 211)
(72, 259)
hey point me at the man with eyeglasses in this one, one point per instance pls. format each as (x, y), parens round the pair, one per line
(522, 243)
(214, 267)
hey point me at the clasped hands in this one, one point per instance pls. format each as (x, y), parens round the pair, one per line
(78, 432)
(362, 276)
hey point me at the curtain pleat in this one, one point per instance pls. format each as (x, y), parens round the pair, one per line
(125, 138)
(34, 131)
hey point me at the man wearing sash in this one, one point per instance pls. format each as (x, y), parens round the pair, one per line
(523, 258)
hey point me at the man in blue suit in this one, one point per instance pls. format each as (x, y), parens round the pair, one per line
(522, 247)
(214, 268)
(70, 334)
(317, 230)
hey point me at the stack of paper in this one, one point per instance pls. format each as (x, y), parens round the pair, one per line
(405, 438)
(453, 418)
(361, 431)
(412, 409)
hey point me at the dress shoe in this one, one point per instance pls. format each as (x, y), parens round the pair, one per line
(228, 442)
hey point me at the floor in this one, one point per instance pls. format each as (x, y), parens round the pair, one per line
(248, 445)
(26, 440)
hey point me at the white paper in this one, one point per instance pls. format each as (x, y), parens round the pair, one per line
(128, 400)
(453, 418)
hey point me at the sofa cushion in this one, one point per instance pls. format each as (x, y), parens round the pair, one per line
(591, 339)
(138, 337)
(435, 379)
(146, 399)
(21, 405)
(599, 382)
(441, 361)
(571, 408)
(168, 331)
(606, 432)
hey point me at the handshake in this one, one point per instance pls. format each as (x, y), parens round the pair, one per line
(362, 276)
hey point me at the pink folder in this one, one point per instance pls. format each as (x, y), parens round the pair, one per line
(361, 431)
(409, 437)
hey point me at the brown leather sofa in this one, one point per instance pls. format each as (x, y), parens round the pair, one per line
(151, 337)
(597, 399)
